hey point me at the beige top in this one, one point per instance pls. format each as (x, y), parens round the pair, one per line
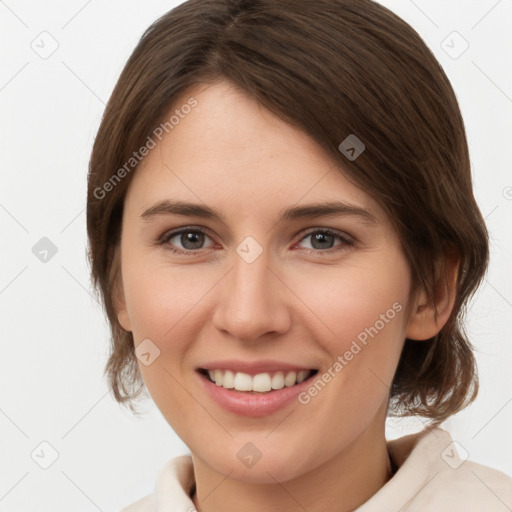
(433, 476)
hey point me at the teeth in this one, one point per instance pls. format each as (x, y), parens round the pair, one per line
(262, 382)
(290, 379)
(277, 380)
(229, 379)
(302, 376)
(243, 382)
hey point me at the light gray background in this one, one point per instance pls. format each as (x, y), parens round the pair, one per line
(54, 336)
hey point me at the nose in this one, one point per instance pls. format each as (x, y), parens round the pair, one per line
(251, 301)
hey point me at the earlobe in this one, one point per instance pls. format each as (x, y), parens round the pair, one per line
(120, 305)
(427, 319)
(124, 320)
(422, 324)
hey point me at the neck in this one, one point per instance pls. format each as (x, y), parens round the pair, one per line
(341, 484)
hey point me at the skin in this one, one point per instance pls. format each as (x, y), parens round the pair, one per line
(294, 303)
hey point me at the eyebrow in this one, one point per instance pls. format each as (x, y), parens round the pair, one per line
(309, 211)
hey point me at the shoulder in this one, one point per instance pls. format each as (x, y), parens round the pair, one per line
(173, 485)
(435, 475)
(449, 481)
(470, 486)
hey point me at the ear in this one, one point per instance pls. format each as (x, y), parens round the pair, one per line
(426, 319)
(118, 298)
(122, 314)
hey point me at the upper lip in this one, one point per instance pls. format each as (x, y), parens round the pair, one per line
(253, 367)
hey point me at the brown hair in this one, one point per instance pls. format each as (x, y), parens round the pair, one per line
(332, 68)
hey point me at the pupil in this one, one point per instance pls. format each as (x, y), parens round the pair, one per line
(192, 240)
(321, 237)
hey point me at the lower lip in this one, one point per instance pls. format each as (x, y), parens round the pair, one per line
(253, 404)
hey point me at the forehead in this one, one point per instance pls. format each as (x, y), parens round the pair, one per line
(229, 149)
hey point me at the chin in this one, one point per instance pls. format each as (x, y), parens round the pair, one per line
(275, 462)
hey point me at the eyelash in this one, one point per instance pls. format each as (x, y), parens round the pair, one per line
(346, 241)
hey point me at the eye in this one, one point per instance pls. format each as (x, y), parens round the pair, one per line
(322, 240)
(191, 240)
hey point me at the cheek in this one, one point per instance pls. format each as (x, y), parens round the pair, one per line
(361, 331)
(161, 302)
(349, 303)
(159, 297)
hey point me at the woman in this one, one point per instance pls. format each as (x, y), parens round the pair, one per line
(240, 139)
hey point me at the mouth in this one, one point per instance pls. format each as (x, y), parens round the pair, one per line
(256, 384)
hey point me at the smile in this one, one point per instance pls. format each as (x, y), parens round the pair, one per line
(256, 394)
(259, 383)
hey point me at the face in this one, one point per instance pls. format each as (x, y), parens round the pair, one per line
(260, 298)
